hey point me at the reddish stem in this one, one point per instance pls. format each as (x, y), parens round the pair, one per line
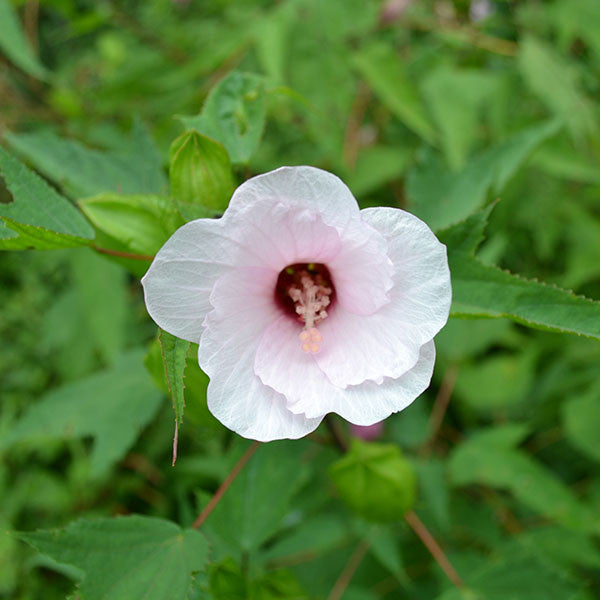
(123, 254)
(346, 575)
(434, 548)
(225, 485)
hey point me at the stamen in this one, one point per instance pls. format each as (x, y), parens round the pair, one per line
(305, 291)
(311, 298)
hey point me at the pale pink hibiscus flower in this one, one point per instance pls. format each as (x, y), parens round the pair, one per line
(303, 305)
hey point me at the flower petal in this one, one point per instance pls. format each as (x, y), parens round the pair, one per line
(361, 265)
(387, 343)
(305, 187)
(275, 235)
(281, 364)
(178, 283)
(361, 271)
(369, 402)
(236, 396)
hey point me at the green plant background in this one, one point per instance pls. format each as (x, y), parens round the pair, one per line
(420, 105)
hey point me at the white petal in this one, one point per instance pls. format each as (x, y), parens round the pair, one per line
(305, 187)
(275, 235)
(281, 364)
(387, 343)
(369, 402)
(236, 396)
(178, 283)
(361, 271)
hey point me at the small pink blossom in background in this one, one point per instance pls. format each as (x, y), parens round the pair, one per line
(367, 432)
(302, 304)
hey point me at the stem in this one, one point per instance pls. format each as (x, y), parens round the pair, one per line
(440, 406)
(346, 575)
(353, 125)
(336, 433)
(225, 485)
(434, 548)
(123, 254)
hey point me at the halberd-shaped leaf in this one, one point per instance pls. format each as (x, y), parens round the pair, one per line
(38, 217)
(375, 480)
(201, 178)
(480, 290)
(127, 558)
(234, 114)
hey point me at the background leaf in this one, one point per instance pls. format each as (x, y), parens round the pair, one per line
(14, 44)
(40, 216)
(112, 406)
(134, 168)
(234, 115)
(127, 557)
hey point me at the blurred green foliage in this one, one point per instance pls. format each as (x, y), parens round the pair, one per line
(436, 106)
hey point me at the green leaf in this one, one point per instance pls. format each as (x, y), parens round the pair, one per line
(480, 290)
(127, 557)
(102, 291)
(201, 177)
(581, 417)
(318, 535)
(556, 84)
(234, 115)
(442, 198)
(561, 546)
(518, 576)
(227, 582)
(80, 171)
(112, 406)
(174, 352)
(456, 98)
(496, 382)
(375, 480)
(384, 547)
(484, 291)
(38, 217)
(484, 461)
(141, 223)
(14, 44)
(384, 71)
(377, 166)
(257, 501)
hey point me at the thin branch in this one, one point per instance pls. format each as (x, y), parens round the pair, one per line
(30, 18)
(469, 34)
(346, 575)
(354, 124)
(123, 254)
(440, 406)
(336, 433)
(226, 483)
(434, 548)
